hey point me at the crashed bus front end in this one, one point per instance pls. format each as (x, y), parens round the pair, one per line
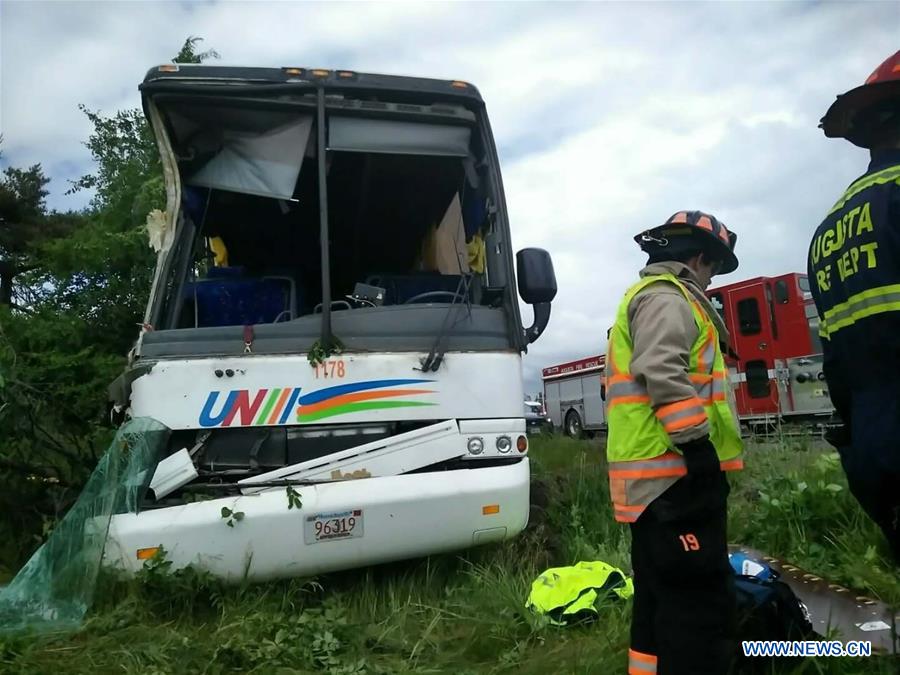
(333, 337)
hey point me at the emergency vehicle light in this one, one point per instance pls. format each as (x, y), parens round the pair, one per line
(168, 68)
(292, 71)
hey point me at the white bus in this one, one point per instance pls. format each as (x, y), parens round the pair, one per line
(334, 315)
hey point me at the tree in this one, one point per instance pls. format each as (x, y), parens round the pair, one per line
(83, 280)
(24, 224)
(188, 53)
(22, 194)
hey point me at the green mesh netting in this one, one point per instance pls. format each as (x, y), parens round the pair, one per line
(54, 589)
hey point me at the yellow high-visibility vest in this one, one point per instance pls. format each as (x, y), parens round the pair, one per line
(639, 448)
(571, 594)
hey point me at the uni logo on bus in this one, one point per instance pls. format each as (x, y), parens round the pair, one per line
(251, 407)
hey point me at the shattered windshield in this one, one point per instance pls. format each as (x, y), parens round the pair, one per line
(407, 214)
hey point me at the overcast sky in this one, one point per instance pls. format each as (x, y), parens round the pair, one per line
(608, 117)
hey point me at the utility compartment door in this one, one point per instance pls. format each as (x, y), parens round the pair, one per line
(806, 390)
(594, 416)
(571, 397)
(753, 336)
(551, 403)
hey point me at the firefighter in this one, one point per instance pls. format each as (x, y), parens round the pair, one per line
(673, 433)
(854, 271)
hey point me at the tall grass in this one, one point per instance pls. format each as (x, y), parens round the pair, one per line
(462, 614)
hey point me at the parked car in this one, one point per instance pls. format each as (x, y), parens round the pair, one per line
(536, 419)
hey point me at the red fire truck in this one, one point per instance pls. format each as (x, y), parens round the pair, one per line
(573, 395)
(776, 367)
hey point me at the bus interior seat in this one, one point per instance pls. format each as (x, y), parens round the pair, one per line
(226, 297)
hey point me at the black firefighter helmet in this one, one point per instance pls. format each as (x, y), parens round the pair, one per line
(861, 114)
(692, 231)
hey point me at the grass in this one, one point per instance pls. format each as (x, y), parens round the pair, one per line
(464, 613)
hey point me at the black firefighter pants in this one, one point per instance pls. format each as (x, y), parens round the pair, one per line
(684, 606)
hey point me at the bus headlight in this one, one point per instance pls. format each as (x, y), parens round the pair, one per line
(504, 444)
(475, 446)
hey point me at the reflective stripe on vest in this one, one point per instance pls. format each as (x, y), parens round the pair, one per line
(669, 464)
(642, 458)
(681, 414)
(625, 389)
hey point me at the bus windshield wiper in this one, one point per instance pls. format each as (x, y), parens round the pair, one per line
(435, 355)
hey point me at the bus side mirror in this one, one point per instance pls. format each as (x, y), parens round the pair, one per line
(537, 286)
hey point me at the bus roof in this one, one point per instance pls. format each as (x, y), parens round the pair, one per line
(183, 75)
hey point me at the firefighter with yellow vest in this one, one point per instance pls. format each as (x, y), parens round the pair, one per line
(854, 273)
(673, 432)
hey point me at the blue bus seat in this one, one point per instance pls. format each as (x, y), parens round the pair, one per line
(228, 299)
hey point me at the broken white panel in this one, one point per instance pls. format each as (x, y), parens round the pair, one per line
(173, 472)
(386, 457)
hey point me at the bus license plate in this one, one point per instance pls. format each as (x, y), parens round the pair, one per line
(333, 526)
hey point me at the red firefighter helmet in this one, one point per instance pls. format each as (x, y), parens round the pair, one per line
(690, 231)
(858, 114)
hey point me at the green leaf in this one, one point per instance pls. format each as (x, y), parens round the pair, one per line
(293, 498)
(239, 516)
(226, 512)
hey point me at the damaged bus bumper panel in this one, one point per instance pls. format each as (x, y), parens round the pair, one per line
(276, 468)
(359, 514)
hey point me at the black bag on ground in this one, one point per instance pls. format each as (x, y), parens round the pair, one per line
(768, 609)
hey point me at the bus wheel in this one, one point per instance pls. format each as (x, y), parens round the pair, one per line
(573, 425)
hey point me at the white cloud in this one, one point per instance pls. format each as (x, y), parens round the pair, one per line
(608, 117)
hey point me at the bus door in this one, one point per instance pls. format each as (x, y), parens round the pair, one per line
(755, 340)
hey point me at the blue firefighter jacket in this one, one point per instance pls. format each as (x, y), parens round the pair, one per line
(854, 275)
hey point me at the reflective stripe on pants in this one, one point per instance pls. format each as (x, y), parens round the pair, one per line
(640, 663)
